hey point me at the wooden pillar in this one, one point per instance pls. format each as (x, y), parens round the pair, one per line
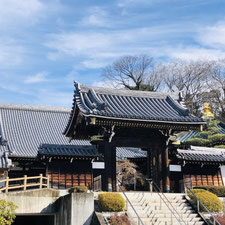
(109, 175)
(149, 163)
(159, 168)
(153, 165)
(165, 158)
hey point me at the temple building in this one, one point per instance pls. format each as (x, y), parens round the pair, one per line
(123, 118)
(32, 143)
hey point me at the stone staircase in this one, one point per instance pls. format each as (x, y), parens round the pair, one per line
(152, 209)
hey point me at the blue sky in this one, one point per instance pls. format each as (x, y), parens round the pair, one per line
(46, 45)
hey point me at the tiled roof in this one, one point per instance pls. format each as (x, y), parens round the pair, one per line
(129, 153)
(131, 105)
(202, 154)
(89, 150)
(186, 136)
(68, 150)
(26, 127)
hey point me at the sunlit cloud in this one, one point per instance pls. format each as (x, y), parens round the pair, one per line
(37, 78)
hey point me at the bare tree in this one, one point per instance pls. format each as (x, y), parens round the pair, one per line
(134, 73)
(188, 77)
(217, 89)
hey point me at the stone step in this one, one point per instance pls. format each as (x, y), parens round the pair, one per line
(162, 207)
(167, 220)
(162, 214)
(153, 210)
(156, 199)
(169, 223)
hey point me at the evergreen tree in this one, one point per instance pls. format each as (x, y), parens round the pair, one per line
(209, 137)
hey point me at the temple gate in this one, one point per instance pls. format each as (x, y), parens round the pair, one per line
(122, 118)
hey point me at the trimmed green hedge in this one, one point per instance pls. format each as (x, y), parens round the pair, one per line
(219, 146)
(210, 200)
(78, 189)
(110, 201)
(217, 190)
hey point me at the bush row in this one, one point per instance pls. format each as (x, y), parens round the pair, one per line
(210, 200)
(217, 190)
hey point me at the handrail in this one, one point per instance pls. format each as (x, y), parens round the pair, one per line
(139, 219)
(215, 221)
(160, 192)
(25, 183)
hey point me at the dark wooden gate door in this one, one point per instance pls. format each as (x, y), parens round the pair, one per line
(98, 183)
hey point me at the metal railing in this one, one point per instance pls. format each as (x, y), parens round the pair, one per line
(166, 201)
(199, 203)
(127, 200)
(24, 182)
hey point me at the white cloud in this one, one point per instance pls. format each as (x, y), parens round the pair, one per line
(213, 36)
(37, 78)
(96, 16)
(14, 12)
(95, 49)
(11, 53)
(132, 3)
(195, 53)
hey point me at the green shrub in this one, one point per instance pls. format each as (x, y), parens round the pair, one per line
(111, 201)
(7, 212)
(219, 146)
(198, 141)
(196, 190)
(78, 189)
(217, 190)
(119, 220)
(210, 200)
(217, 138)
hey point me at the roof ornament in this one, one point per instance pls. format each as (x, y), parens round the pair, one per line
(3, 142)
(96, 102)
(181, 99)
(207, 112)
(77, 85)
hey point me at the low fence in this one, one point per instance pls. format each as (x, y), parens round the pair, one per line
(24, 183)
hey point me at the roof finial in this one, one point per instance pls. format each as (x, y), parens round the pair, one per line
(207, 112)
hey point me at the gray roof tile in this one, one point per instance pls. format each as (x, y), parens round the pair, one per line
(202, 154)
(131, 105)
(68, 150)
(28, 129)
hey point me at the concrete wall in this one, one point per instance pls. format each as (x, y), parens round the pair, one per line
(75, 209)
(70, 209)
(33, 201)
(82, 208)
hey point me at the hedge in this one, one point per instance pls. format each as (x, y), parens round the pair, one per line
(219, 146)
(111, 201)
(78, 189)
(217, 190)
(210, 200)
